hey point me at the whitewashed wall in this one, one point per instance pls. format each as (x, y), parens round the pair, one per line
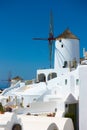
(83, 98)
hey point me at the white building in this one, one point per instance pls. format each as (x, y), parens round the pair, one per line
(55, 90)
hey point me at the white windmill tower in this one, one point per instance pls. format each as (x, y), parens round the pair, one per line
(66, 52)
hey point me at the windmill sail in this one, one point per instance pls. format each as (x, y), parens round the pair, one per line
(50, 38)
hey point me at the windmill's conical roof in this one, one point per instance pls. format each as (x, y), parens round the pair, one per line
(67, 34)
(17, 78)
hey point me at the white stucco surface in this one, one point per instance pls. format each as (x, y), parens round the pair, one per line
(44, 123)
(7, 121)
(82, 98)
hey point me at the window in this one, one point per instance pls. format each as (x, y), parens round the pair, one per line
(62, 45)
(65, 64)
(65, 81)
(41, 77)
(52, 75)
(66, 105)
(60, 40)
(77, 81)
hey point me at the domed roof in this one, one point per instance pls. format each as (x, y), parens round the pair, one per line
(67, 35)
(17, 78)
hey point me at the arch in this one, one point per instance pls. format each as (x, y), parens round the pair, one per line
(16, 127)
(52, 75)
(53, 126)
(41, 77)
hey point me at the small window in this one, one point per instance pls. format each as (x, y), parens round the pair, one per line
(66, 105)
(52, 75)
(60, 40)
(77, 81)
(65, 64)
(62, 45)
(65, 81)
(41, 77)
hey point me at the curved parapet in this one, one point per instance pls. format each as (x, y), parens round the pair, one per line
(10, 121)
(68, 125)
(64, 124)
(13, 123)
(41, 126)
(37, 122)
(46, 123)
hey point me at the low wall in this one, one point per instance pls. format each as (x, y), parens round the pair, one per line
(9, 121)
(46, 123)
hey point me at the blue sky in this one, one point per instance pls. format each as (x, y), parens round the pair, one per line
(21, 20)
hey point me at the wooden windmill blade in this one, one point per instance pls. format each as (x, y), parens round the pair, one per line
(8, 80)
(50, 38)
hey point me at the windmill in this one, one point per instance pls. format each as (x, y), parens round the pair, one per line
(50, 38)
(8, 80)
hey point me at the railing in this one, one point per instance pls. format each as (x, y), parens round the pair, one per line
(10, 88)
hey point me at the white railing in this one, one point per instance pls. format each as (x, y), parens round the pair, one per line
(11, 88)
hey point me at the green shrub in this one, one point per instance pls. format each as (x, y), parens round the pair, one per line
(72, 116)
(1, 108)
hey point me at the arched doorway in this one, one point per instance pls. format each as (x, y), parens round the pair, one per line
(52, 75)
(16, 127)
(41, 77)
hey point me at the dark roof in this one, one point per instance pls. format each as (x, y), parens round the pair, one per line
(17, 78)
(67, 35)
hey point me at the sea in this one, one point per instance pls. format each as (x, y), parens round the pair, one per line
(4, 85)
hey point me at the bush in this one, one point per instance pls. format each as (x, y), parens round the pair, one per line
(1, 108)
(72, 116)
